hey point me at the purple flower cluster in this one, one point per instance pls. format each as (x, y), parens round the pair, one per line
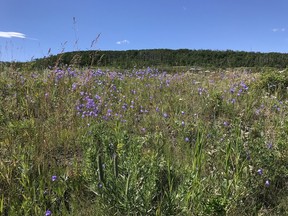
(88, 105)
(239, 88)
(48, 213)
(260, 171)
(259, 110)
(201, 90)
(59, 73)
(54, 178)
(149, 73)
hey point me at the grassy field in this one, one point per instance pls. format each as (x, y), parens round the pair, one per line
(143, 142)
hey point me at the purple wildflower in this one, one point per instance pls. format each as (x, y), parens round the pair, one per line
(267, 183)
(165, 115)
(48, 213)
(109, 111)
(98, 97)
(167, 82)
(239, 92)
(269, 145)
(74, 85)
(200, 91)
(260, 171)
(90, 103)
(54, 178)
(257, 112)
(245, 87)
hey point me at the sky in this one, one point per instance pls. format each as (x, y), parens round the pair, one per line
(32, 29)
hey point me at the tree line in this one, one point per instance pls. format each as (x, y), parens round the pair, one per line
(162, 57)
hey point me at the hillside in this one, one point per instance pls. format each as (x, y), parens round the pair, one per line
(161, 57)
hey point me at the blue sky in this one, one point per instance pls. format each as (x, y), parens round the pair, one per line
(30, 28)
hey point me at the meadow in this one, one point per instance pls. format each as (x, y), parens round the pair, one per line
(78, 141)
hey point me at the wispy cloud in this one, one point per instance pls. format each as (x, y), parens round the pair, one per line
(123, 42)
(12, 35)
(279, 29)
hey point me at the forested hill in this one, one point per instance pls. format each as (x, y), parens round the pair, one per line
(165, 57)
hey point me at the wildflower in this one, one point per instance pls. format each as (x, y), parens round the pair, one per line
(226, 124)
(74, 85)
(260, 171)
(269, 145)
(257, 112)
(167, 82)
(267, 183)
(98, 97)
(54, 178)
(200, 91)
(48, 213)
(183, 123)
(165, 115)
(109, 111)
(100, 185)
(90, 103)
(239, 92)
(182, 112)
(124, 106)
(245, 87)
(186, 139)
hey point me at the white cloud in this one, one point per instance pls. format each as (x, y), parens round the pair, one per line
(123, 42)
(279, 29)
(12, 34)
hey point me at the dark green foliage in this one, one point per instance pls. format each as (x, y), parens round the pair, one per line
(158, 57)
(273, 82)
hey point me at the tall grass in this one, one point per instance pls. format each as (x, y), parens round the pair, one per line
(142, 142)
